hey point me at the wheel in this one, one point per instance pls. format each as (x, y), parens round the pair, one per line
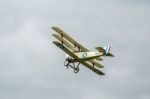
(66, 63)
(76, 70)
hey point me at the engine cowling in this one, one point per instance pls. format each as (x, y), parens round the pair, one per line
(67, 57)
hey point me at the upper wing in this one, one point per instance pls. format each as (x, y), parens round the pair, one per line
(65, 42)
(74, 56)
(58, 30)
(73, 49)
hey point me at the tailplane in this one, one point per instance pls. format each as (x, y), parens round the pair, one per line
(105, 50)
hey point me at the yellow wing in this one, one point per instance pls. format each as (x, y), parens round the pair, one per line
(91, 68)
(67, 37)
(74, 56)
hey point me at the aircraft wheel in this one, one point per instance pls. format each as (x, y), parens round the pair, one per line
(76, 70)
(66, 63)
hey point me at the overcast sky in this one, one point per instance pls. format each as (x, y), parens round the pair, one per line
(31, 67)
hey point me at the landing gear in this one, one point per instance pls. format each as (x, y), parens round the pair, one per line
(68, 64)
(76, 70)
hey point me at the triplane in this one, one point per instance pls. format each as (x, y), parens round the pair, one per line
(77, 54)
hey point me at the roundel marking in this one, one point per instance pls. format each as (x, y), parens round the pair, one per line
(84, 55)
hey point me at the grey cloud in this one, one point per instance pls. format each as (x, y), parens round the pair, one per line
(32, 67)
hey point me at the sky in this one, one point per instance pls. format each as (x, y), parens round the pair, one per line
(31, 66)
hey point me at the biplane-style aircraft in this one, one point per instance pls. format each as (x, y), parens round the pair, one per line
(77, 54)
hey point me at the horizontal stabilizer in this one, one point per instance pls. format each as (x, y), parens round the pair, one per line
(105, 50)
(99, 58)
(110, 54)
(100, 49)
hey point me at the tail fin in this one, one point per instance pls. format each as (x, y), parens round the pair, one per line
(105, 50)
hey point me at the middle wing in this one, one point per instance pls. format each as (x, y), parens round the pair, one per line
(73, 55)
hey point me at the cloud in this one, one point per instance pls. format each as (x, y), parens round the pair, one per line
(32, 67)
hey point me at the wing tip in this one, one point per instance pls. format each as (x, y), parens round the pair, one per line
(56, 42)
(99, 72)
(53, 27)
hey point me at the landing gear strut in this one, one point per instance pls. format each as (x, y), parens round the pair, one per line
(68, 64)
